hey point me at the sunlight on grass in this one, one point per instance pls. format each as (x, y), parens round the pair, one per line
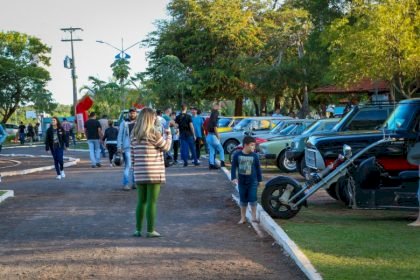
(354, 244)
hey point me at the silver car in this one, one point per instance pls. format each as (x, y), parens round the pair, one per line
(253, 125)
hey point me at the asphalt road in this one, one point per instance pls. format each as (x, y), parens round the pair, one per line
(81, 227)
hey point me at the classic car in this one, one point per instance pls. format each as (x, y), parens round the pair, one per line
(256, 125)
(276, 146)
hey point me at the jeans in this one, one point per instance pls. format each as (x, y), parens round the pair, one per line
(22, 138)
(101, 146)
(94, 151)
(248, 194)
(214, 145)
(198, 146)
(128, 175)
(57, 154)
(66, 138)
(187, 143)
(175, 146)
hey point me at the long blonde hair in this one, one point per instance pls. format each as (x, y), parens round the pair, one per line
(145, 126)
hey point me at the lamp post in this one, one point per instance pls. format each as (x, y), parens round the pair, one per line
(121, 55)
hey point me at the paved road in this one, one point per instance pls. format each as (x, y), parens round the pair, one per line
(80, 228)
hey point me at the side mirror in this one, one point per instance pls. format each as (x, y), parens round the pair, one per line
(347, 151)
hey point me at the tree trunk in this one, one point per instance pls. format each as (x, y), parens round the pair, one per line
(277, 102)
(263, 105)
(238, 106)
(257, 110)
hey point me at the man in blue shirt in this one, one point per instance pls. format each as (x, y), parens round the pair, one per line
(198, 122)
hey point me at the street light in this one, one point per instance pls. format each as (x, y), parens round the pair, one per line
(122, 50)
(121, 55)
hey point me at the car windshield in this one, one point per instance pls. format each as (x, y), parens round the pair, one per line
(286, 130)
(223, 122)
(319, 126)
(242, 124)
(279, 127)
(400, 118)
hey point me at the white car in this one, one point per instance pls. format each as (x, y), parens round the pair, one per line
(11, 129)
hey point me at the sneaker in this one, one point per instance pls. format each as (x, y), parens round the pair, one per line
(63, 175)
(126, 188)
(185, 164)
(198, 161)
(197, 164)
(153, 234)
(58, 177)
(212, 166)
(98, 165)
(111, 165)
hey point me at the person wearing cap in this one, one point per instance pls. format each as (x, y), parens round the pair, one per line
(123, 146)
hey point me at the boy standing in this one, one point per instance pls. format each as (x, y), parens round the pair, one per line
(249, 177)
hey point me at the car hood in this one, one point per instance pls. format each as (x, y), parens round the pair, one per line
(314, 140)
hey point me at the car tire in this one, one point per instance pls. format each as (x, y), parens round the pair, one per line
(331, 191)
(300, 166)
(229, 145)
(284, 164)
(342, 192)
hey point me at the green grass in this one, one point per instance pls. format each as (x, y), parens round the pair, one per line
(355, 244)
(2, 192)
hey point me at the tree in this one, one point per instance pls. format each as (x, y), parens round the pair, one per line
(208, 37)
(22, 76)
(378, 40)
(168, 79)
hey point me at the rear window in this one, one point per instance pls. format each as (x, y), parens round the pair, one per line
(368, 119)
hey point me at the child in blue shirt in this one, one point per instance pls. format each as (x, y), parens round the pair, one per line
(247, 164)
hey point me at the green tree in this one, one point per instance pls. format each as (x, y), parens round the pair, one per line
(378, 40)
(22, 75)
(208, 37)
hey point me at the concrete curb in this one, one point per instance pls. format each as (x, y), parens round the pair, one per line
(280, 236)
(71, 162)
(9, 193)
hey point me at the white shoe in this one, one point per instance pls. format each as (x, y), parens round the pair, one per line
(58, 177)
(63, 175)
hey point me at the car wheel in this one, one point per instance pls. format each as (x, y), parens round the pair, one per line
(331, 190)
(270, 200)
(300, 166)
(284, 164)
(230, 145)
(342, 190)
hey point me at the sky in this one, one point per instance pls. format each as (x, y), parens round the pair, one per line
(109, 21)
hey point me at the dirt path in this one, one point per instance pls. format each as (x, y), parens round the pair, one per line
(80, 228)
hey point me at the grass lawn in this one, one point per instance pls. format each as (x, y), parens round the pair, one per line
(2, 192)
(357, 244)
(354, 244)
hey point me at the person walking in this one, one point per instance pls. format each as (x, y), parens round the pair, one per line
(3, 135)
(36, 129)
(249, 176)
(186, 136)
(30, 133)
(110, 138)
(104, 125)
(54, 142)
(123, 146)
(213, 141)
(66, 125)
(175, 138)
(22, 134)
(198, 122)
(73, 132)
(147, 146)
(93, 133)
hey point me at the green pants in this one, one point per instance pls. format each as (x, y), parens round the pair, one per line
(147, 198)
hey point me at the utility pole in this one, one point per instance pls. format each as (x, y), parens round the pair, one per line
(73, 63)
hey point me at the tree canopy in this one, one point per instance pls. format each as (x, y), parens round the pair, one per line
(23, 78)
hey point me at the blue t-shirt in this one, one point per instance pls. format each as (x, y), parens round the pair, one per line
(198, 124)
(248, 167)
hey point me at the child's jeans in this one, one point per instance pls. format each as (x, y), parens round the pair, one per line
(248, 194)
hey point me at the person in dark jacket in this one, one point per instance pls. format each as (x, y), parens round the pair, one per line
(110, 138)
(54, 142)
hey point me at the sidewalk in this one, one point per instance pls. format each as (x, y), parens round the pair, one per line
(80, 228)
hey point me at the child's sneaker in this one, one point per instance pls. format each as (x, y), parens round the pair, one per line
(63, 175)
(58, 177)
